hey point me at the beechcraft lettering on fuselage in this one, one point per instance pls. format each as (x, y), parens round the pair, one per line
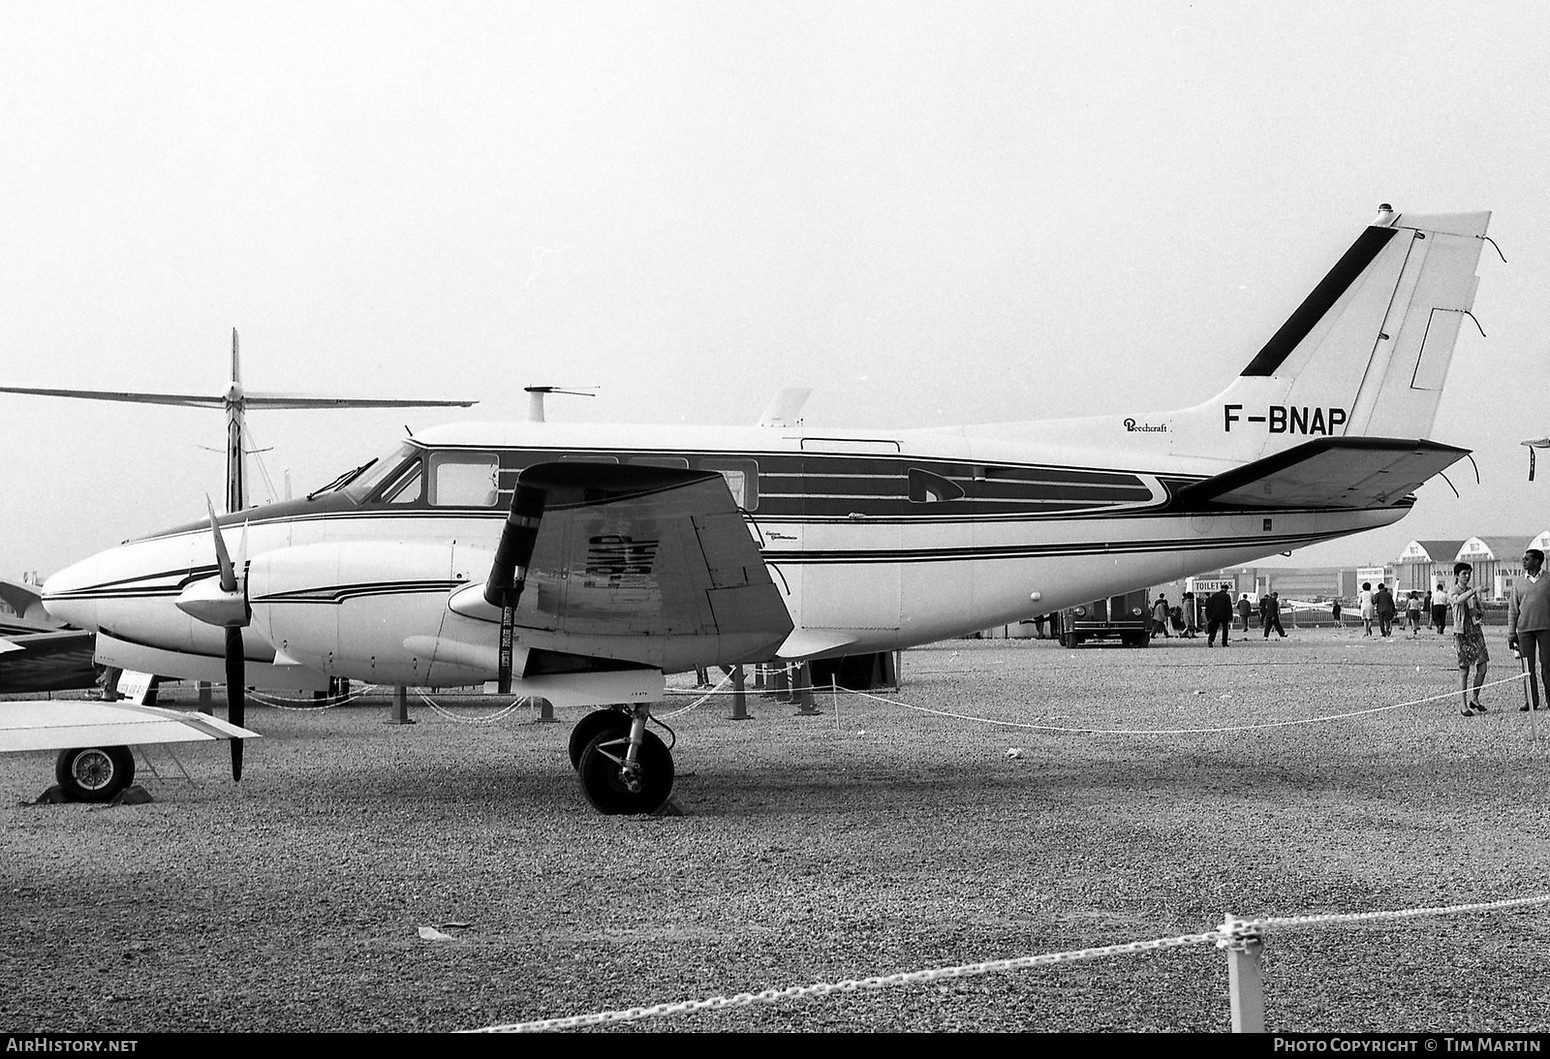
(1288, 419)
(626, 553)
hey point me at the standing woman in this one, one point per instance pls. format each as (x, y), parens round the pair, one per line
(1364, 601)
(1468, 636)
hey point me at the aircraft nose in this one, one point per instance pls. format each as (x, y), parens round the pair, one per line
(67, 596)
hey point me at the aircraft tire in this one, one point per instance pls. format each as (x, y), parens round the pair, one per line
(591, 726)
(606, 790)
(94, 773)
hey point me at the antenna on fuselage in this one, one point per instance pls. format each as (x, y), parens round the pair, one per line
(535, 399)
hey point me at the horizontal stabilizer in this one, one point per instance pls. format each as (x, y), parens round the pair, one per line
(61, 724)
(1327, 472)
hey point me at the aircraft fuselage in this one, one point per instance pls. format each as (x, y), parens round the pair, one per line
(875, 541)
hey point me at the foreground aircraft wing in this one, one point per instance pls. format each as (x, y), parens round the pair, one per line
(45, 660)
(1327, 472)
(64, 725)
(646, 565)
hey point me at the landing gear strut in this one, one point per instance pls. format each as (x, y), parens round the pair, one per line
(623, 768)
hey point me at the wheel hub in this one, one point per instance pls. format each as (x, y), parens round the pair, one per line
(93, 770)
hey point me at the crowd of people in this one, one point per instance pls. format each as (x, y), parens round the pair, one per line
(1461, 606)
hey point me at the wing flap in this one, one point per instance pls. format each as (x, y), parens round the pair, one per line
(1327, 472)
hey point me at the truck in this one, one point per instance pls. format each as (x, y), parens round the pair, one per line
(1126, 617)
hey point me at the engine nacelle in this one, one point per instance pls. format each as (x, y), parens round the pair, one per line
(369, 610)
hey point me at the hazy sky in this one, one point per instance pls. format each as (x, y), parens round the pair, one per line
(931, 213)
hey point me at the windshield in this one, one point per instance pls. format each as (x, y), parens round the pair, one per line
(358, 482)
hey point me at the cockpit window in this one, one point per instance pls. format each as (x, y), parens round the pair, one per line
(358, 482)
(408, 487)
(463, 479)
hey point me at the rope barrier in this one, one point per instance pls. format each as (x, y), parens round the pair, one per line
(279, 701)
(713, 691)
(1231, 934)
(1184, 731)
(500, 714)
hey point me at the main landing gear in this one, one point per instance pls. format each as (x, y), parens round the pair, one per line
(94, 773)
(623, 768)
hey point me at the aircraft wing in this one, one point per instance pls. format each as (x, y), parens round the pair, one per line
(646, 565)
(62, 724)
(33, 660)
(27, 602)
(300, 400)
(191, 400)
(1327, 472)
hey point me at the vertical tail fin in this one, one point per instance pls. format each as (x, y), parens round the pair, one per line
(1365, 354)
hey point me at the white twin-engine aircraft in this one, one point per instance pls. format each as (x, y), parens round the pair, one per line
(582, 563)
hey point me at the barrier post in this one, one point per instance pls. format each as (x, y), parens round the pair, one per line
(739, 699)
(804, 692)
(1245, 974)
(206, 706)
(778, 684)
(758, 676)
(545, 712)
(398, 712)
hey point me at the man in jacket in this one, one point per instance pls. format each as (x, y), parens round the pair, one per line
(1271, 602)
(1383, 603)
(1218, 616)
(1440, 609)
(1528, 625)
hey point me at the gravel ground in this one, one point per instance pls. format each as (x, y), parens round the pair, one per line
(874, 839)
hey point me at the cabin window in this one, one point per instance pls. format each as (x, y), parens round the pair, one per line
(463, 479)
(588, 457)
(928, 488)
(676, 462)
(742, 479)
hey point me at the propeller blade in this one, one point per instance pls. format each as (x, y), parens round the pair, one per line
(236, 684)
(508, 573)
(222, 556)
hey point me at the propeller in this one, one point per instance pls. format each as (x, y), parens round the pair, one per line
(508, 573)
(222, 601)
